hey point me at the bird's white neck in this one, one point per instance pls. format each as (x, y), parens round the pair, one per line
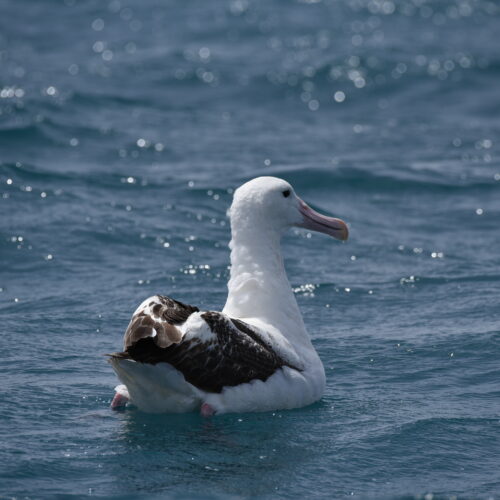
(259, 288)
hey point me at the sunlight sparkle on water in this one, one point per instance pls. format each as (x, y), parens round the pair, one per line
(339, 96)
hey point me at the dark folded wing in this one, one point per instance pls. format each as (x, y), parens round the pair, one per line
(221, 352)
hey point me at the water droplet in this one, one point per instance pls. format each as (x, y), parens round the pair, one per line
(313, 105)
(98, 46)
(339, 96)
(204, 53)
(98, 24)
(107, 55)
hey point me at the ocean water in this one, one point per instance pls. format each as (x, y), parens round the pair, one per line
(124, 127)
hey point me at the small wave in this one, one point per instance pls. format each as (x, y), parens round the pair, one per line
(33, 133)
(443, 280)
(352, 177)
(28, 172)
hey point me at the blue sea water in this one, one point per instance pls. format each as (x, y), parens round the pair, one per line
(125, 125)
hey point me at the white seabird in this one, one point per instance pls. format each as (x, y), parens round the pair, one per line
(256, 354)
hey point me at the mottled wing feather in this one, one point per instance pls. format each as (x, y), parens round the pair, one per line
(156, 319)
(233, 355)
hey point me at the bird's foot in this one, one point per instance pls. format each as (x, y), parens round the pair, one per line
(206, 410)
(119, 401)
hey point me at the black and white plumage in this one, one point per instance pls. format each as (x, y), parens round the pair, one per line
(233, 354)
(255, 355)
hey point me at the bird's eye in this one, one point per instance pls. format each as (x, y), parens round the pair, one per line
(286, 193)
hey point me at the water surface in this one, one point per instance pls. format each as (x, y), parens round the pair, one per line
(124, 127)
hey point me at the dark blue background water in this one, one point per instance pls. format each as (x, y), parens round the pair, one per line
(124, 127)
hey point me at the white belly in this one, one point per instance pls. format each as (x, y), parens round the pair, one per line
(286, 389)
(162, 389)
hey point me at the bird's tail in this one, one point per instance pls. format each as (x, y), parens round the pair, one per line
(158, 388)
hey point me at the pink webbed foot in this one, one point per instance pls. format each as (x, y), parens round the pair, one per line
(119, 401)
(206, 410)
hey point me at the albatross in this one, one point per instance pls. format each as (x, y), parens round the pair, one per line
(256, 354)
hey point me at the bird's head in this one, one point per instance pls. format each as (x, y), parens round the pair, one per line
(271, 203)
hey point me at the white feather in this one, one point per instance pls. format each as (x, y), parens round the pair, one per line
(260, 295)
